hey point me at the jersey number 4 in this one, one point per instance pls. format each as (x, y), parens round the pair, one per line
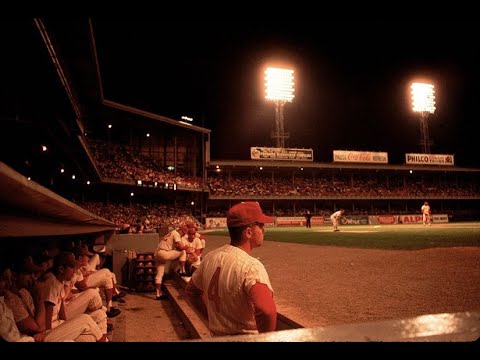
(213, 289)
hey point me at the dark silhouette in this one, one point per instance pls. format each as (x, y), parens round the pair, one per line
(308, 217)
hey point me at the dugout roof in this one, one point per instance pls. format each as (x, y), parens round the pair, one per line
(29, 209)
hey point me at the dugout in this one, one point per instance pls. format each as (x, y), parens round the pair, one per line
(33, 217)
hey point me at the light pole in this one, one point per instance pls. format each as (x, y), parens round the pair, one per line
(423, 102)
(279, 88)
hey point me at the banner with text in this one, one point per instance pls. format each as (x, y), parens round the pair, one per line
(383, 219)
(360, 156)
(267, 153)
(354, 220)
(215, 222)
(418, 219)
(299, 221)
(221, 222)
(429, 159)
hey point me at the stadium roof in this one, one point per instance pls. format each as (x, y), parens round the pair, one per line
(56, 96)
(131, 110)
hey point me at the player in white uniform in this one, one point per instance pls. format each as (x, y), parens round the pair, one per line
(51, 292)
(239, 296)
(335, 218)
(8, 327)
(426, 214)
(193, 247)
(191, 225)
(169, 248)
(30, 317)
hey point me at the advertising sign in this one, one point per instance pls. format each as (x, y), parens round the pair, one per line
(267, 153)
(429, 159)
(360, 156)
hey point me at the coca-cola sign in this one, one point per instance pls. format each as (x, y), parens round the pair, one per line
(360, 156)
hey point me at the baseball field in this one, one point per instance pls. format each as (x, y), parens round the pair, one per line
(369, 273)
(407, 237)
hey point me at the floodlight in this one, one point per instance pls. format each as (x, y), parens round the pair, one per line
(423, 97)
(279, 87)
(279, 84)
(423, 102)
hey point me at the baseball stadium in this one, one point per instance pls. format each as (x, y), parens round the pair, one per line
(88, 172)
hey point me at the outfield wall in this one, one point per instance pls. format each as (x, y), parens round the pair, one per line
(221, 222)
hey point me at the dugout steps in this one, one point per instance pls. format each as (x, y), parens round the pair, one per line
(191, 318)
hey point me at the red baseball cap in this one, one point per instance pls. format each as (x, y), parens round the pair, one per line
(245, 213)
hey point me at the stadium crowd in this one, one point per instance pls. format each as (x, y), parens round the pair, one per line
(337, 185)
(137, 218)
(121, 163)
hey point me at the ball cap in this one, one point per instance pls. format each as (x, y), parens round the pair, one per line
(246, 213)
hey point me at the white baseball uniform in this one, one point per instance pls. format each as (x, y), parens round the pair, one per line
(425, 214)
(335, 217)
(88, 301)
(226, 276)
(8, 327)
(166, 252)
(195, 245)
(80, 328)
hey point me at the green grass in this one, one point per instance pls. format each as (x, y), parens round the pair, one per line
(405, 237)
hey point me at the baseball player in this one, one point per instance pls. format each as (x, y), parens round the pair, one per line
(190, 226)
(426, 214)
(169, 248)
(52, 293)
(29, 317)
(239, 296)
(193, 248)
(335, 218)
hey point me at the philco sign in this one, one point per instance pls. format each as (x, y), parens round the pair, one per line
(429, 159)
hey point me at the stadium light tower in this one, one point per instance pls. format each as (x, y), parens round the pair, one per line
(423, 101)
(279, 88)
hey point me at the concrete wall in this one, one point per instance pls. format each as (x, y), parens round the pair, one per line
(123, 247)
